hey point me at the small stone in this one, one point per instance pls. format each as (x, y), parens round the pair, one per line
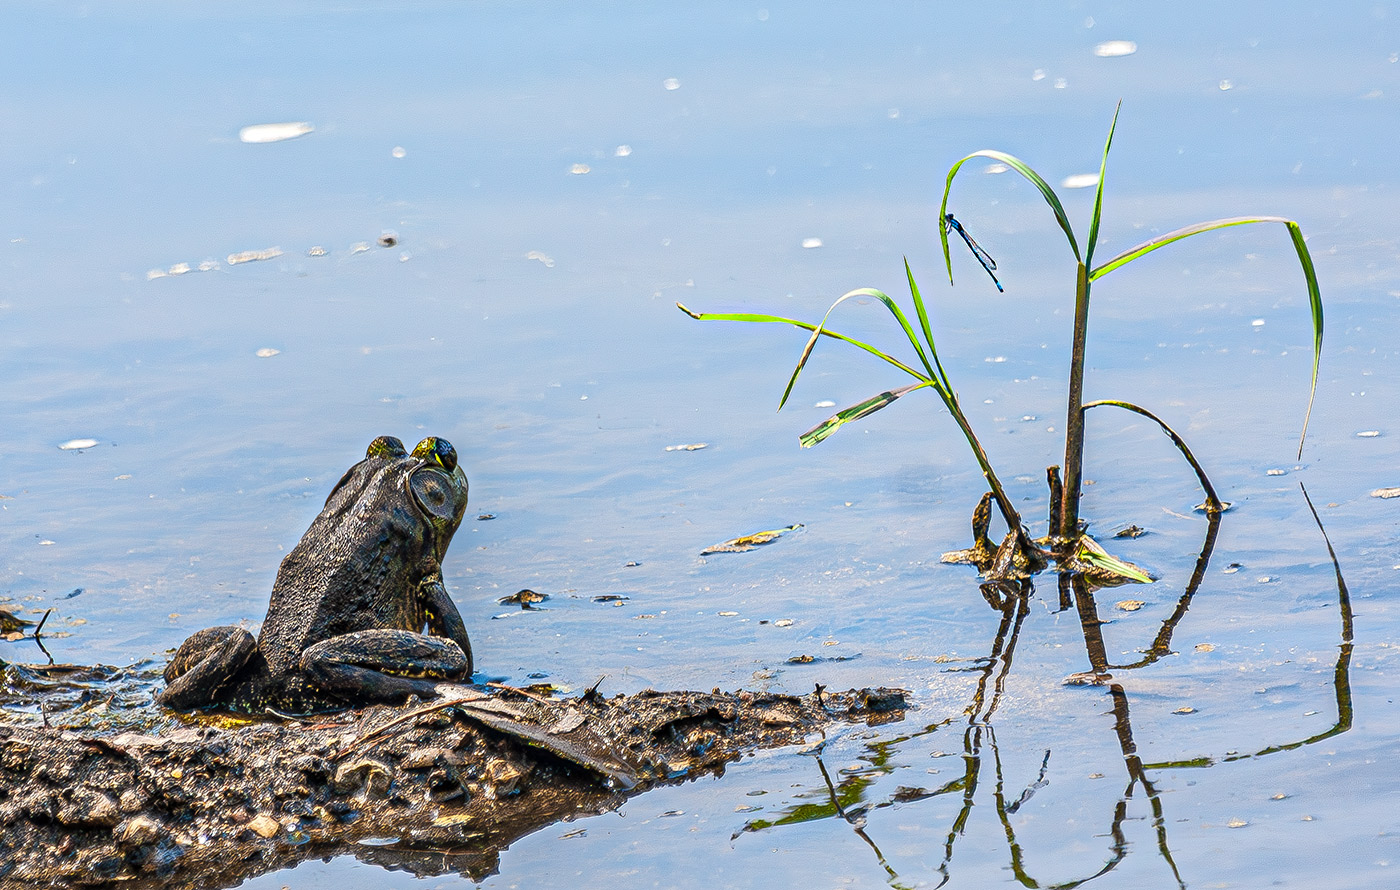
(138, 831)
(264, 826)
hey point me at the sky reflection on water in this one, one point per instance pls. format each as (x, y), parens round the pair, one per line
(526, 314)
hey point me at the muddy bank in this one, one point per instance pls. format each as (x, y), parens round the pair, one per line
(429, 789)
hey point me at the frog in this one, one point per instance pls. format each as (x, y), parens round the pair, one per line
(348, 611)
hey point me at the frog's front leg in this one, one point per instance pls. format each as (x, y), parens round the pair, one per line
(204, 664)
(383, 665)
(443, 618)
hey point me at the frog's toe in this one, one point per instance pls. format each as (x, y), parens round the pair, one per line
(203, 666)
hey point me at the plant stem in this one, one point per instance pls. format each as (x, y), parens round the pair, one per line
(1074, 420)
(1008, 512)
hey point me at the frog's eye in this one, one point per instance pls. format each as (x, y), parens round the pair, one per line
(438, 451)
(386, 446)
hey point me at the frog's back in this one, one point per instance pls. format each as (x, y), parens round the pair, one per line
(356, 568)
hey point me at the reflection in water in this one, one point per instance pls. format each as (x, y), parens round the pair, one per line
(847, 798)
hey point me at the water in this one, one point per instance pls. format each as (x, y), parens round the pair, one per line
(526, 314)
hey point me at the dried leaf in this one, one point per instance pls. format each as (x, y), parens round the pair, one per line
(749, 542)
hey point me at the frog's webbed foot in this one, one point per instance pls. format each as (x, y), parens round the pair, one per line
(204, 664)
(383, 665)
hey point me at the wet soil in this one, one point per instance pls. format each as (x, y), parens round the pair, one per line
(426, 788)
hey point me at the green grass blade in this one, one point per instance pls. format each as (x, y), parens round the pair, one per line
(1098, 191)
(1090, 552)
(1295, 233)
(1213, 504)
(855, 412)
(923, 322)
(816, 333)
(1161, 241)
(756, 318)
(1020, 167)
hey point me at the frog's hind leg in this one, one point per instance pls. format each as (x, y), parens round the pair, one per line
(383, 665)
(204, 664)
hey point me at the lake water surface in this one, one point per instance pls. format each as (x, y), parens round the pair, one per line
(555, 177)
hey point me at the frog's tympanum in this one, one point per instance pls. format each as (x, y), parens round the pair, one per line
(346, 624)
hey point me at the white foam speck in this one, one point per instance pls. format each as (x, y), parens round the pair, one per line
(1110, 48)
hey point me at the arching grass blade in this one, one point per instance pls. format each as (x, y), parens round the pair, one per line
(1295, 233)
(1020, 167)
(1213, 504)
(804, 325)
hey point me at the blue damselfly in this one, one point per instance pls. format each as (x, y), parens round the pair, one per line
(982, 256)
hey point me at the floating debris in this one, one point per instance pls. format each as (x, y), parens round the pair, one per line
(77, 444)
(11, 623)
(399, 152)
(1087, 678)
(542, 257)
(1368, 434)
(1276, 472)
(824, 403)
(1132, 531)
(1112, 48)
(630, 564)
(258, 134)
(316, 251)
(525, 598)
(727, 614)
(696, 446)
(610, 598)
(252, 256)
(359, 247)
(783, 622)
(387, 239)
(1205, 647)
(622, 151)
(813, 659)
(811, 243)
(1386, 493)
(749, 542)
(1236, 823)
(580, 169)
(671, 83)
(1187, 709)
(267, 352)
(577, 832)
(1080, 181)
(1129, 605)
(485, 517)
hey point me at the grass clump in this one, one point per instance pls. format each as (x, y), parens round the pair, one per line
(1067, 543)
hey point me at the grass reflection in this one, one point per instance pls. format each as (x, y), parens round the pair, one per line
(849, 798)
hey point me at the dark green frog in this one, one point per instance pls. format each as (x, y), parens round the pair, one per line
(346, 622)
